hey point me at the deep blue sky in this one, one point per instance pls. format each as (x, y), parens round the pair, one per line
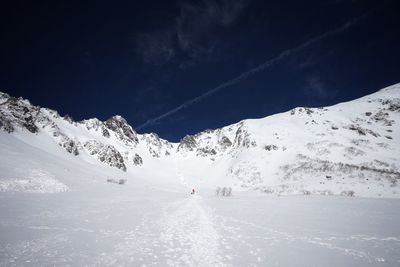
(140, 59)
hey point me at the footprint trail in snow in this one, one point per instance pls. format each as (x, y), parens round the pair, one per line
(189, 234)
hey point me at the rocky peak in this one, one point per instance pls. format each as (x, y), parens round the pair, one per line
(209, 143)
(242, 137)
(188, 142)
(68, 118)
(97, 125)
(116, 122)
(152, 138)
(4, 97)
(156, 146)
(17, 112)
(120, 126)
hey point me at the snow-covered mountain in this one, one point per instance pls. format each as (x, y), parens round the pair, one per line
(349, 148)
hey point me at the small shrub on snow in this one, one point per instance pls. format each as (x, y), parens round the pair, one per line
(270, 147)
(268, 190)
(224, 191)
(347, 193)
(322, 192)
(120, 181)
(228, 192)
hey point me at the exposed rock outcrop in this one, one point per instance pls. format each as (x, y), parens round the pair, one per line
(124, 131)
(187, 143)
(105, 153)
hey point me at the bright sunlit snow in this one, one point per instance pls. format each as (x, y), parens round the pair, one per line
(311, 187)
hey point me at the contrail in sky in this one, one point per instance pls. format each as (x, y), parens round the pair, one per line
(275, 60)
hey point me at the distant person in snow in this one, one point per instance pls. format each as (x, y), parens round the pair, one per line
(192, 193)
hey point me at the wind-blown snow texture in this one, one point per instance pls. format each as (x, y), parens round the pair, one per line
(57, 207)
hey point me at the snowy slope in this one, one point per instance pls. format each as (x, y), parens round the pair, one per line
(57, 208)
(350, 148)
(76, 218)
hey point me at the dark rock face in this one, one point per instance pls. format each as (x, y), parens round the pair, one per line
(206, 151)
(153, 153)
(271, 147)
(105, 132)
(188, 142)
(69, 118)
(394, 104)
(6, 124)
(362, 131)
(137, 160)
(97, 126)
(17, 112)
(224, 142)
(242, 138)
(69, 145)
(107, 154)
(122, 128)
(30, 125)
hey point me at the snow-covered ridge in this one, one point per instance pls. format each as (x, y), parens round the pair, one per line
(349, 148)
(113, 141)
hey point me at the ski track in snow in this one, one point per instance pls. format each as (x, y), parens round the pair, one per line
(183, 231)
(140, 246)
(185, 235)
(189, 235)
(235, 236)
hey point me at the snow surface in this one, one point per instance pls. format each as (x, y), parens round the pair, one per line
(152, 220)
(350, 148)
(57, 208)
